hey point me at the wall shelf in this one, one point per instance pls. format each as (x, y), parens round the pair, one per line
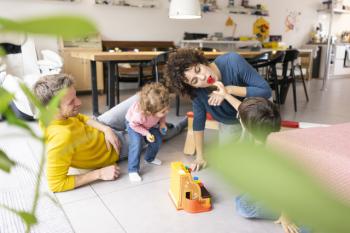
(336, 11)
(247, 11)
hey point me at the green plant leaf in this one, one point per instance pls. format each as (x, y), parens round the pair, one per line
(5, 98)
(5, 162)
(47, 114)
(67, 26)
(2, 52)
(33, 99)
(28, 218)
(13, 120)
(267, 175)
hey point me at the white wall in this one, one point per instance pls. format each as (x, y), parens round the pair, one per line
(125, 23)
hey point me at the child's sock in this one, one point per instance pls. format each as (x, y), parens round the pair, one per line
(135, 177)
(155, 162)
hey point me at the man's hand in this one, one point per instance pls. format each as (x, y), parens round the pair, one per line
(288, 226)
(111, 139)
(150, 137)
(215, 99)
(198, 164)
(111, 172)
(163, 128)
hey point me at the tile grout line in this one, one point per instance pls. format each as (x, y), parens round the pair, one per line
(109, 210)
(58, 203)
(131, 187)
(104, 204)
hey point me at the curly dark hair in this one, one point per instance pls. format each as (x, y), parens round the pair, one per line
(260, 117)
(178, 63)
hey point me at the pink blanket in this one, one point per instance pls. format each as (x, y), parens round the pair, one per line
(324, 152)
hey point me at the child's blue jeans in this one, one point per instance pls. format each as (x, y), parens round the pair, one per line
(248, 208)
(136, 142)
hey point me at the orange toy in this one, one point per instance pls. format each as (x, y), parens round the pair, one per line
(186, 193)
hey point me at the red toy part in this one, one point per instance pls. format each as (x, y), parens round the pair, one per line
(210, 80)
(191, 115)
(290, 124)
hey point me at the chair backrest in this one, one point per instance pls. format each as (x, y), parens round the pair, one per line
(290, 57)
(272, 60)
(259, 58)
(267, 62)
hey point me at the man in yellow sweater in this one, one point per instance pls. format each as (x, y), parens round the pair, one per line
(75, 140)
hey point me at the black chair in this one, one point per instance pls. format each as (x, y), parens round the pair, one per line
(259, 58)
(288, 76)
(268, 62)
(280, 84)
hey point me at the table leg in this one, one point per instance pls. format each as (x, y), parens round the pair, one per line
(111, 84)
(94, 89)
(116, 79)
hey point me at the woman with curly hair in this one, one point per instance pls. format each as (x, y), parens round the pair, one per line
(188, 72)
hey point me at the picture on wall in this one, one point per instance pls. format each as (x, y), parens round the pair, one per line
(130, 3)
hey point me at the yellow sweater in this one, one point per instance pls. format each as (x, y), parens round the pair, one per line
(73, 143)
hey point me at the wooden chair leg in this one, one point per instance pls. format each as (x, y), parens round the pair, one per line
(189, 148)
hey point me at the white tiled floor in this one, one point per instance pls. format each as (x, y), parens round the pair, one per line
(119, 206)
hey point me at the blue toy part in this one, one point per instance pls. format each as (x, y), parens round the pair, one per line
(163, 131)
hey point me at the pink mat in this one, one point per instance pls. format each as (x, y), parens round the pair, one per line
(324, 152)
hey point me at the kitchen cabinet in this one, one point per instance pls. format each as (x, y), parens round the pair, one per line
(331, 68)
(80, 68)
(340, 65)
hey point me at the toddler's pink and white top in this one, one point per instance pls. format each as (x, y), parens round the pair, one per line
(140, 122)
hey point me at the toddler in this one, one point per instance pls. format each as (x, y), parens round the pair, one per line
(145, 119)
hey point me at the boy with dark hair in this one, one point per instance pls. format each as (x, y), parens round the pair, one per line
(259, 117)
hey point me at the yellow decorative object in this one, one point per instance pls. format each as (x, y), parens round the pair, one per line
(229, 22)
(261, 29)
(246, 38)
(271, 45)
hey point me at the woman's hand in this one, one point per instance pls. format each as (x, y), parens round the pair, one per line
(216, 98)
(288, 226)
(198, 164)
(221, 89)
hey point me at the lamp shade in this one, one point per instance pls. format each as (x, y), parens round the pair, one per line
(185, 9)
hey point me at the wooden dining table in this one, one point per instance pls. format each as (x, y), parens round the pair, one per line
(112, 59)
